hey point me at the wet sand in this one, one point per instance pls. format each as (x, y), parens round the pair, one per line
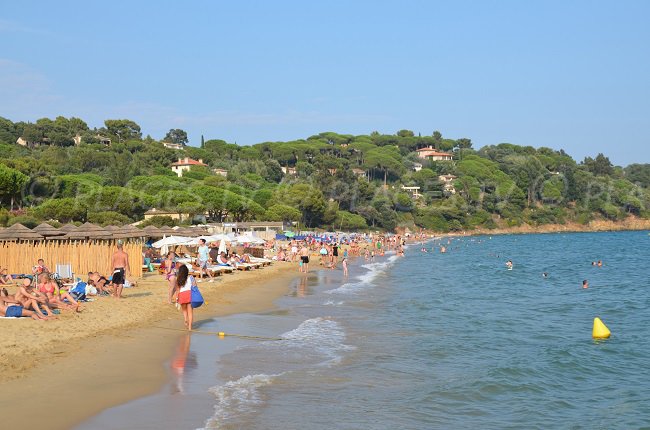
(113, 352)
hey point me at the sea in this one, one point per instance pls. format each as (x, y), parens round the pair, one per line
(430, 340)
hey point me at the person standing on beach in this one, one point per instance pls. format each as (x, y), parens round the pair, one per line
(203, 256)
(304, 258)
(345, 266)
(121, 269)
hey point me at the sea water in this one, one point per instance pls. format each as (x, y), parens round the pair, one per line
(435, 340)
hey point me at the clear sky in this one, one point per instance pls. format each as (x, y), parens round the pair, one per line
(563, 74)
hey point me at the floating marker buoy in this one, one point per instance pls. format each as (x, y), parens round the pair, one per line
(600, 330)
(222, 334)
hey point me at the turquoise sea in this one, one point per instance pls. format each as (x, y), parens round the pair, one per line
(429, 341)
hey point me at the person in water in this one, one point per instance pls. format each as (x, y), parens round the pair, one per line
(585, 284)
(509, 264)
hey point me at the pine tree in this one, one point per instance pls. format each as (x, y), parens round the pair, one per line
(202, 142)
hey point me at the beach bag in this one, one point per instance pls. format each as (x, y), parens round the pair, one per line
(196, 297)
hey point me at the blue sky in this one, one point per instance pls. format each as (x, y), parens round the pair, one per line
(566, 74)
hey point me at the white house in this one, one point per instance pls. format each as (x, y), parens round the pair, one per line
(171, 145)
(448, 183)
(222, 172)
(184, 164)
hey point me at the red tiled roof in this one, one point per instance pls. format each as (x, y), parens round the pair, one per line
(434, 152)
(189, 162)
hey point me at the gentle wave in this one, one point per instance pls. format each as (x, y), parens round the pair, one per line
(237, 398)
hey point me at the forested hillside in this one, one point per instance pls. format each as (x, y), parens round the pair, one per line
(64, 171)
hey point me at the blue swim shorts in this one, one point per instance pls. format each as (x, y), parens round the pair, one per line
(14, 311)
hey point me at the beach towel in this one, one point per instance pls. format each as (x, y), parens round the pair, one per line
(197, 298)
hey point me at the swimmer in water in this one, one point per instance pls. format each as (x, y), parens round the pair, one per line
(600, 263)
(585, 284)
(509, 264)
(544, 275)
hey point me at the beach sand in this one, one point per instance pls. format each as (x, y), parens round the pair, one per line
(72, 368)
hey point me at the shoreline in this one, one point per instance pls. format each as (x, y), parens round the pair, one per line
(126, 359)
(636, 224)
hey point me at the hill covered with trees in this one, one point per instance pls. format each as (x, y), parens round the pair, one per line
(64, 171)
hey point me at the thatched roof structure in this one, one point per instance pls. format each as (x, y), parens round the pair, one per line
(19, 232)
(68, 228)
(47, 230)
(152, 231)
(88, 231)
(127, 232)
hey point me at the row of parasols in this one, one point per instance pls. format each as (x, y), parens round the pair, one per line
(89, 231)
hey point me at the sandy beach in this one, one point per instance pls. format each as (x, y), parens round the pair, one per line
(117, 345)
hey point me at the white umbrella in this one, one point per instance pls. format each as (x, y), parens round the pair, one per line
(249, 239)
(222, 245)
(208, 239)
(171, 241)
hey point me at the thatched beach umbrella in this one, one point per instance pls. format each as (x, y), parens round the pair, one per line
(89, 231)
(127, 232)
(112, 228)
(152, 231)
(167, 231)
(19, 232)
(47, 230)
(68, 228)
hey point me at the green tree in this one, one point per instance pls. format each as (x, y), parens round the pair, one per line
(285, 213)
(12, 183)
(178, 136)
(123, 129)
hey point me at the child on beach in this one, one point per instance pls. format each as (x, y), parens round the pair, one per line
(184, 283)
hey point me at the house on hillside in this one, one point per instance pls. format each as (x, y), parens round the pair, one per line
(413, 191)
(221, 172)
(289, 170)
(448, 183)
(185, 164)
(433, 154)
(359, 172)
(171, 145)
(417, 167)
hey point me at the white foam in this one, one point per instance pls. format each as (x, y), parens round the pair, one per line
(333, 303)
(365, 280)
(237, 398)
(322, 335)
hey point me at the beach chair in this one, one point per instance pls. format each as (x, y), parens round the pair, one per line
(64, 271)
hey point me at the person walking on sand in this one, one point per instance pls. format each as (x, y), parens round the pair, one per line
(184, 283)
(304, 258)
(121, 269)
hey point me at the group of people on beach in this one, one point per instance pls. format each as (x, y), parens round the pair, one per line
(42, 296)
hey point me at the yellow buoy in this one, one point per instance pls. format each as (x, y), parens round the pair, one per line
(600, 330)
(221, 334)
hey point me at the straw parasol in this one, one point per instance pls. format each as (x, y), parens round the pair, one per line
(89, 231)
(127, 232)
(112, 228)
(47, 230)
(152, 231)
(19, 232)
(68, 228)
(166, 231)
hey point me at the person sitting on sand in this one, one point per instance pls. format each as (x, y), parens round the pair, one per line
(12, 310)
(50, 288)
(40, 267)
(5, 278)
(100, 283)
(29, 299)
